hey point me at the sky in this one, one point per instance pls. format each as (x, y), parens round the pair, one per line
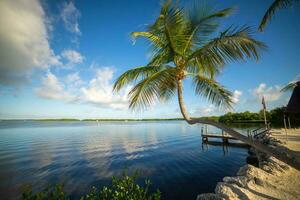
(59, 59)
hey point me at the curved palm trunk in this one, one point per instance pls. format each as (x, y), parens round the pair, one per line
(286, 156)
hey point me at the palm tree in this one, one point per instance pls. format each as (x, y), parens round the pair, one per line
(276, 5)
(182, 47)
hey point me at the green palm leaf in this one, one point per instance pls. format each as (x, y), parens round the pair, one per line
(133, 74)
(276, 5)
(154, 39)
(151, 89)
(203, 65)
(202, 22)
(232, 45)
(213, 91)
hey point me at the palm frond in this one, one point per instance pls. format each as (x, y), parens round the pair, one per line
(161, 56)
(174, 28)
(168, 87)
(151, 89)
(213, 91)
(291, 85)
(171, 26)
(158, 25)
(165, 34)
(133, 74)
(233, 44)
(276, 5)
(202, 22)
(154, 39)
(203, 65)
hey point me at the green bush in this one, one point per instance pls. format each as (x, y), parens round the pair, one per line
(124, 188)
(50, 193)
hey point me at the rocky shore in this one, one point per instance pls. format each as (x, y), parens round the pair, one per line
(270, 179)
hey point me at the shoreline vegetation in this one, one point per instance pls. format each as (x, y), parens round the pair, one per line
(125, 187)
(274, 116)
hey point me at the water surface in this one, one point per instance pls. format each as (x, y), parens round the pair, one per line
(85, 154)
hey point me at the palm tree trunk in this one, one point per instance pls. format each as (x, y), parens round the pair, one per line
(286, 156)
(181, 103)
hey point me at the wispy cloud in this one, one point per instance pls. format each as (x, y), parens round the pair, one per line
(236, 96)
(98, 91)
(52, 88)
(73, 57)
(271, 93)
(73, 80)
(70, 16)
(205, 110)
(24, 41)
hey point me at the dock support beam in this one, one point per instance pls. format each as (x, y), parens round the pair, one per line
(225, 140)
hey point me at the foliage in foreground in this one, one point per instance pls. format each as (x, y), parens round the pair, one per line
(124, 188)
(51, 193)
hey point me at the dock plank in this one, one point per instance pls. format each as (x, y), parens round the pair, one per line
(211, 135)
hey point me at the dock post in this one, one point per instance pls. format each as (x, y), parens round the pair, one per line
(289, 123)
(205, 139)
(225, 140)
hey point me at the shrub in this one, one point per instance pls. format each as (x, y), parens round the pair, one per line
(50, 193)
(124, 188)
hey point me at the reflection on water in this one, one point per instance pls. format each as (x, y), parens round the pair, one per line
(83, 154)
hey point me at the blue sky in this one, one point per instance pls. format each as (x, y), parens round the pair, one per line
(59, 58)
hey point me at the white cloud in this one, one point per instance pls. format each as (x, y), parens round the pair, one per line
(236, 96)
(72, 56)
(70, 16)
(99, 91)
(74, 80)
(23, 40)
(269, 93)
(52, 88)
(207, 110)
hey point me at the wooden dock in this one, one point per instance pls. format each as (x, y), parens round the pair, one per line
(225, 138)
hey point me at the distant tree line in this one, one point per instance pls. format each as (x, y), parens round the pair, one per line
(275, 116)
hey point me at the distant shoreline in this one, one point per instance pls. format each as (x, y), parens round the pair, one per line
(275, 117)
(122, 120)
(91, 120)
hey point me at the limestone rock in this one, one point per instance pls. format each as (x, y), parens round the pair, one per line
(209, 196)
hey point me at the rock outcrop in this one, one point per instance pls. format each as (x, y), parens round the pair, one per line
(272, 179)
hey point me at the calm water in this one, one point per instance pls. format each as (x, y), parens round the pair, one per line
(85, 154)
